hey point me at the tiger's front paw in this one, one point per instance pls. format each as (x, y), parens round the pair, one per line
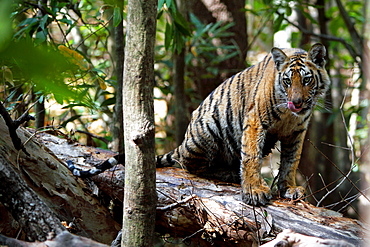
(292, 192)
(257, 196)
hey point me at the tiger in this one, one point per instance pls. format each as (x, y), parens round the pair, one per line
(241, 121)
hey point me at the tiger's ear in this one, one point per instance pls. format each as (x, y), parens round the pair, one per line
(317, 54)
(279, 58)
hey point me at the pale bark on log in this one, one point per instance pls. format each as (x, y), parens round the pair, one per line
(290, 238)
(192, 208)
(63, 239)
(51, 180)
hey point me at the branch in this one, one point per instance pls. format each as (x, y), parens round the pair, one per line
(354, 54)
(93, 135)
(13, 125)
(351, 28)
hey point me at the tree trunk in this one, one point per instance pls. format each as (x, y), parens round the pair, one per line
(140, 194)
(365, 166)
(40, 114)
(117, 129)
(181, 116)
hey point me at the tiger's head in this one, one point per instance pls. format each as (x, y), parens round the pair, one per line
(301, 77)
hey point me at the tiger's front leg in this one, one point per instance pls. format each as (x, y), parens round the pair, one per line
(254, 188)
(290, 156)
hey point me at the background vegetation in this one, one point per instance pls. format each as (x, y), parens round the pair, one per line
(62, 61)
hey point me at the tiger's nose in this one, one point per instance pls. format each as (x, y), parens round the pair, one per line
(298, 102)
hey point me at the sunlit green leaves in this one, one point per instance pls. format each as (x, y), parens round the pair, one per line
(117, 16)
(5, 23)
(177, 28)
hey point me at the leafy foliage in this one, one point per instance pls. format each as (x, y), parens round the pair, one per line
(60, 51)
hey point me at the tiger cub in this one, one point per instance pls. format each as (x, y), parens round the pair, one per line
(243, 118)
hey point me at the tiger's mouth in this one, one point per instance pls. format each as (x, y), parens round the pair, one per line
(294, 107)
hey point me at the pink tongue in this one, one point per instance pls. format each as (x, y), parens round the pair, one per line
(292, 107)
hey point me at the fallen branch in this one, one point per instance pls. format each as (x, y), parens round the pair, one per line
(13, 125)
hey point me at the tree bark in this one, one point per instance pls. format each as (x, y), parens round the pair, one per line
(35, 218)
(117, 129)
(140, 195)
(365, 166)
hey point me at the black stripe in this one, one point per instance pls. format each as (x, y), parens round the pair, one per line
(298, 132)
(304, 120)
(256, 89)
(213, 134)
(216, 118)
(321, 82)
(195, 138)
(191, 151)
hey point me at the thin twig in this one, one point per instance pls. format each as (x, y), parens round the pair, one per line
(176, 204)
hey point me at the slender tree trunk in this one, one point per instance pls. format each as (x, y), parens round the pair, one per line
(40, 114)
(117, 129)
(140, 194)
(365, 167)
(181, 116)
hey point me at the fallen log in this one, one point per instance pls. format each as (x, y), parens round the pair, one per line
(47, 176)
(194, 208)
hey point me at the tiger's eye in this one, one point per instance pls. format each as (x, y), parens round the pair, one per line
(307, 80)
(287, 81)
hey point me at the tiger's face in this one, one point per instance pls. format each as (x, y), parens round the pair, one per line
(301, 78)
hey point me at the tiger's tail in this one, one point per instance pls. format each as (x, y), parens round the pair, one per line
(109, 163)
(165, 160)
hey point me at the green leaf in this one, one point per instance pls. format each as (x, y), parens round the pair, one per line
(43, 21)
(168, 35)
(277, 23)
(117, 16)
(182, 25)
(169, 3)
(5, 22)
(288, 10)
(160, 5)
(308, 16)
(107, 102)
(40, 37)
